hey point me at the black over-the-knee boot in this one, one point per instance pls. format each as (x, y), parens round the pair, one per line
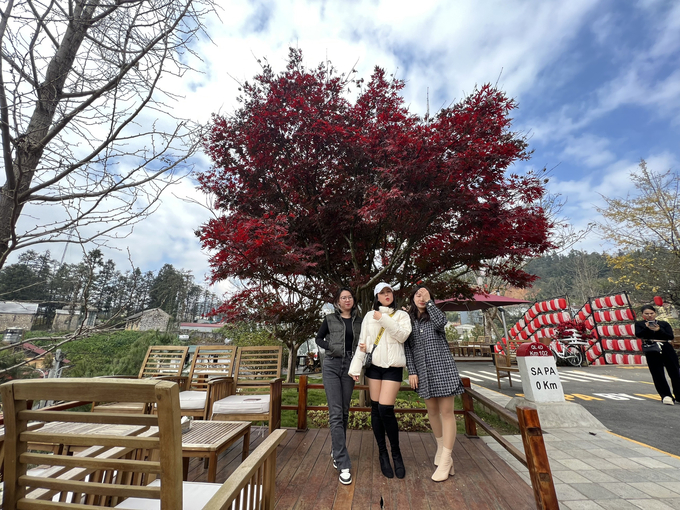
(379, 433)
(392, 428)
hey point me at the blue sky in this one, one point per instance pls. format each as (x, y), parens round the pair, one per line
(597, 82)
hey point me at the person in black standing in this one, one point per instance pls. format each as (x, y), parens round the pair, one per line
(339, 336)
(650, 331)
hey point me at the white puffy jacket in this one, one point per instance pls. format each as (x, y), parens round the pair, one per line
(390, 350)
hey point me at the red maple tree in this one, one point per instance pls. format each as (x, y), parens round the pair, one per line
(323, 180)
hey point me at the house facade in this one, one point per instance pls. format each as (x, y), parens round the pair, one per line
(153, 319)
(17, 315)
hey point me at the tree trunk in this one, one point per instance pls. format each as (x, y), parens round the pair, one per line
(31, 144)
(292, 362)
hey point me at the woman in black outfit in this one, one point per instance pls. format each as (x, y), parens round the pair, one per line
(339, 336)
(649, 330)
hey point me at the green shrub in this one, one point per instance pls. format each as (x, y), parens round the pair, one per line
(112, 353)
(361, 420)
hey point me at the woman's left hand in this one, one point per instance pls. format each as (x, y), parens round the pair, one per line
(355, 377)
(377, 315)
(413, 381)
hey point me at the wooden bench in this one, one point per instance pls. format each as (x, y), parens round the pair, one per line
(503, 368)
(143, 471)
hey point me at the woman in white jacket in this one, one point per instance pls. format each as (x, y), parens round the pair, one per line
(390, 327)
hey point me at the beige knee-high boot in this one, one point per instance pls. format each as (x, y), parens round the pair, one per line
(440, 445)
(445, 467)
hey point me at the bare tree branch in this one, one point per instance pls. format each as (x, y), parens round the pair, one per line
(82, 113)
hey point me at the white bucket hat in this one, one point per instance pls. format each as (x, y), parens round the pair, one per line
(382, 285)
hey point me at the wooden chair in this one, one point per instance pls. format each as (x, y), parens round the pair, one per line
(127, 471)
(503, 368)
(163, 360)
(160, 360)
(255, 394)
(209, 379)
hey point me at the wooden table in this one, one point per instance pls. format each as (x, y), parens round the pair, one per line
(207, 439)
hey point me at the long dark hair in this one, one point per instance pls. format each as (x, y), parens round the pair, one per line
(413, 309)
(336, 299)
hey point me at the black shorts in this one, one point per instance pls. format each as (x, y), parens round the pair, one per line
(385, 374)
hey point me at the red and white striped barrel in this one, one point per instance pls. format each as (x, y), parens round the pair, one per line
(617, 330)
(624, 359)
(591, 356)
(596, 349)
(622, 344)
(621, 315)
(610, 301)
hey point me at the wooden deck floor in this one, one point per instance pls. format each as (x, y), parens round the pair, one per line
(306, 479)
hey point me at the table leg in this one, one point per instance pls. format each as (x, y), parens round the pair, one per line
(246, 444)
(212, 467)
(185, 468)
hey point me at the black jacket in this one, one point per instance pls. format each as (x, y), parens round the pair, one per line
(644, 333)
(331, 335)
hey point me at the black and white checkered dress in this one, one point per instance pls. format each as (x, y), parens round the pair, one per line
(428, 356)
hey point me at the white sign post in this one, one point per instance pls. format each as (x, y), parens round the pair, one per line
(540, 380)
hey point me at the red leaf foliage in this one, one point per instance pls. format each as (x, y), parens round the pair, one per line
(331, 179)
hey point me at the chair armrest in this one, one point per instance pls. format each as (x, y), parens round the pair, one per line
(181, 380)
(247, 472)
(217, 389)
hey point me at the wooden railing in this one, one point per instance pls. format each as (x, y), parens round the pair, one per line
(534, 457)
(303, 406)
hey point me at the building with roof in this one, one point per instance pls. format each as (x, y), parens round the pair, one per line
(153, 319)
(17, 315)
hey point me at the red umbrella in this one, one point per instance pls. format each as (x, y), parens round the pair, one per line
(478, 302)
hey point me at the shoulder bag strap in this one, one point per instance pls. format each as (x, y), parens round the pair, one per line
(382, 330)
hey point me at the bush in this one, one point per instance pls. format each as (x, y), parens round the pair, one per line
(113, 353)
(361, 420)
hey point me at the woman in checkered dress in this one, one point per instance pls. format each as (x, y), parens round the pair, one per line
(433, 374)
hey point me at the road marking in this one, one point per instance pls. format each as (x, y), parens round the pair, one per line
(574, 378)
(471, 377)
(599, 377)
(585, 397)
(493, 375)
(617, 396)
(653, 396)
(477, 374)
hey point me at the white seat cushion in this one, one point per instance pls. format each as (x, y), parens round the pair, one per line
(194, 495)
(242, 404)
(192, 400)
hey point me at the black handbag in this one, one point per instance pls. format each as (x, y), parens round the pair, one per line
(369, 355)
(369, 358)
(651, 347)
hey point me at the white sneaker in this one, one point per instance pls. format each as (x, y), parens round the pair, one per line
(334, 464)
(345, 477)
(668, 401)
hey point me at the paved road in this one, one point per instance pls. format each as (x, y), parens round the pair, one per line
(622, 398)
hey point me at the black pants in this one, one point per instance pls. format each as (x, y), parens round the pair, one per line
(656, 364)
